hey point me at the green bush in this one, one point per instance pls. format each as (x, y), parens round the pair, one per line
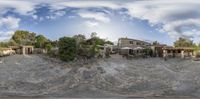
(67, 48)
(197, 54)
(48, 47)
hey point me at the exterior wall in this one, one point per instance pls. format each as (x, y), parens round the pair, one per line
(132, 43)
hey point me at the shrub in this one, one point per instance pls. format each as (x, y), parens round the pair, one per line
(48, 47)
(67, 48)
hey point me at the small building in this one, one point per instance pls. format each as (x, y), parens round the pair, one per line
(23, 49)
(178, 52)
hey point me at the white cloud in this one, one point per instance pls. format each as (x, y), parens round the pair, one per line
(178, 18)
(92, 24)
(21, 7)
(172, 17)
(41, 18)
(86, 4)
(35, 17)
(7, 26)
(9, 22)
(175, 17)
(56, 14)
(5, 35)
(98, 16)
(188, 28)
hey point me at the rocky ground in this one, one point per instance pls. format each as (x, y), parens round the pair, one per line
(39, 76)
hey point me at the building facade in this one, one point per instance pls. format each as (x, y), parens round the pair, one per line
(132, 43)
(127, 46)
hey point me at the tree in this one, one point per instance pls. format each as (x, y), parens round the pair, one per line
(182, 42)
(67, 48)
(79, 38)
(48, 47)
(12, 43)
(155, 43)
(109, 42)
(40, 41)
(23, 37)
(93, 35)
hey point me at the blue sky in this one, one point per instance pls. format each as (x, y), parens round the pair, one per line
(151, 20)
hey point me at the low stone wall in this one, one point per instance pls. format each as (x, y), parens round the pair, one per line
(39, 51)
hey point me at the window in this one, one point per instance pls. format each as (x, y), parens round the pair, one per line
(131, 42)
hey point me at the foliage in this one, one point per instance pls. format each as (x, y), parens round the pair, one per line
(155, 43)
(89, 47)
(7, 44)
(198, 54)
(48, 47)
(67, 48)
(182, 42)
(109, 42)
(148, 51)
(23, 37)
(40, 41)
(79, 39)
(93, 35)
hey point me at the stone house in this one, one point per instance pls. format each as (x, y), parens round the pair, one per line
(131, 44)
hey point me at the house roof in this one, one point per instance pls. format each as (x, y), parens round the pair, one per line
(178, 48)
(16, 47)
(125, 48)
(133, 40)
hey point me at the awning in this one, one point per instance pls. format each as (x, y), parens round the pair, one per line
(138, 48)
(125, 48)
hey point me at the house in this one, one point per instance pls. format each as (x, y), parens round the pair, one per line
(132, 43)
(130, 46)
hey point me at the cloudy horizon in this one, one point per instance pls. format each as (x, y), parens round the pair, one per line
(153, 20)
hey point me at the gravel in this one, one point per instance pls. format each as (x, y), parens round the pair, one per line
(40, 76)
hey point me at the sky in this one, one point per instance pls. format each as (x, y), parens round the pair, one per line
(150, 20)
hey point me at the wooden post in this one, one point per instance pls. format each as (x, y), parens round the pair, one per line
(182, 54)
(23, 50)
(104, 51)
(165, 54)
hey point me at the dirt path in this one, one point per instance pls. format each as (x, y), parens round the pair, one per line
(39, 76)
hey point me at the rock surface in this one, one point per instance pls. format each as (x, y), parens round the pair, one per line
(43, 77)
